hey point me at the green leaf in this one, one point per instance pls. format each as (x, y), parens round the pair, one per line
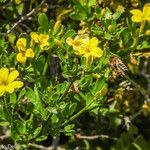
(36, 132)
(2, 41)
(69, 127)
(72, 108)
(141, 144)
(40, 63)
(98, 85)
(69, 33)
(4, 124)
(123, 143)
(97, 30)
(41, 138)
(63, 87)
(15, 134)
(116, 15)
(115, 121)
(133, 130)
(107, 36)
(126, 36)
(31, 95)
(20, 126)
(54, 119)
(13, 98)
(81, 15)
(43, 22)
(22, 93)
(91, 3)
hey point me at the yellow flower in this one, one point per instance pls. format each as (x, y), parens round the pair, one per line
(86, 47)
(146, 108)
(139, 16)
(7, 81)
(42, 39)
(147, 32)
(34, 38)
(23, 52)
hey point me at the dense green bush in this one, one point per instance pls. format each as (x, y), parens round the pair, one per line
(75, 74)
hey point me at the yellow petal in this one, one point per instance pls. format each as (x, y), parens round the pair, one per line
(136, 12)
(2, 90)
(34, 36)
(136, 19)
(147, 32)
(96, 52)
(13, 85)
(81, 51)
(43, 40)
(137, 15)
(16, 84)
(146, 10)
(21, 58)
(87, 55)
(13, 75)
(21, 44)
(93, 42)
(29, 53)
(4, 72)
(9, 89)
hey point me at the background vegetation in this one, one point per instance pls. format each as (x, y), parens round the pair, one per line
(75, 74)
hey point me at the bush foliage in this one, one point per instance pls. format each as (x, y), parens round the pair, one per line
(75, 72)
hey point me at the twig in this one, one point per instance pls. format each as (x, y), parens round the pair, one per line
(78, 136)
(40, 146)
(23, 18)
(3, 137)
(129, 119)
(43, 147)
(55, 143)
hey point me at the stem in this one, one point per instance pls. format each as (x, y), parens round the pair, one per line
(77, 114)
(46, 64)
(66, 91)
(142, 26)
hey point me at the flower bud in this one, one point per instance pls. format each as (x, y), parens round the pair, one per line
(110, 28)
(57, 26)
(103, 12)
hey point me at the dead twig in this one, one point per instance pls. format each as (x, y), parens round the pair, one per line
(23, 18)
(93, 137)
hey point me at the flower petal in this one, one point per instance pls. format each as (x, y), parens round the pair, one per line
(4, 72)
(146, 10)
(96, 52)
(43, 40)
(21, 58)
(16, 84)
(29, 53)
(13, 85)
(21, 44)
(136, 12)
(2, 90)
(136, 19)
(87, 55)
(34, 36)
(137, 15)
(13, 75)
(93, 42)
